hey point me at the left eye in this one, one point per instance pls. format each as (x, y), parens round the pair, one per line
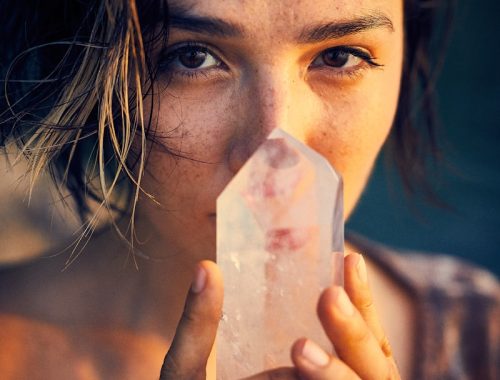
(342, 57)
(191, 58)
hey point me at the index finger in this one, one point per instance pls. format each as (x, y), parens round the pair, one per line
(195, 335)
(354, 343)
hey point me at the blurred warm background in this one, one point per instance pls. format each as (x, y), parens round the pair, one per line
(29, 226)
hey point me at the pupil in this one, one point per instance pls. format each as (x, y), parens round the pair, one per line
(335, 58)
(192, 58)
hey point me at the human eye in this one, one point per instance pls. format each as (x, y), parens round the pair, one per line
(190, 60)
(343, 61)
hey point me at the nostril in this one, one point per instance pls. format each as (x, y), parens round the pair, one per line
(237, 156)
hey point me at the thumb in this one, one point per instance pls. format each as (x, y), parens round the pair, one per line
(195, 335)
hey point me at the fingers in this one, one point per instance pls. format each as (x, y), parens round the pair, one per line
(354, 343)
(356, 286)
(197, 328)
(353, 328)
(314, 363)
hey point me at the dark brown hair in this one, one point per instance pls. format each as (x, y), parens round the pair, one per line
(413, 144)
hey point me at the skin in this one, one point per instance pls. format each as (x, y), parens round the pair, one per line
(248, 84)
(99, 309)
(221, 116)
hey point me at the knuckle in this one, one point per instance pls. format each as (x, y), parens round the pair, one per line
(171, 370)
(361, 335)
(391, 372)
(196, 316)
(189, 316)
(214, 318)
(361, 296)
(364, 301)
(339, 370)
(386, 346)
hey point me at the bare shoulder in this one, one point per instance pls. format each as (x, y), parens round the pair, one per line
(61, 324)
(47, 289)
(31, 349)
(27, 346)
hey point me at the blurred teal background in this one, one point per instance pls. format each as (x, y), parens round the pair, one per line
(469, 105)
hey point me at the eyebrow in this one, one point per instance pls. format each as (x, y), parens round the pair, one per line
(181, 18)
(338, 29)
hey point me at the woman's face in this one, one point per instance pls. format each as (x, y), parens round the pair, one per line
(326, 71)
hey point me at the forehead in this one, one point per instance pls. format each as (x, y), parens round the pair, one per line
(278, 16)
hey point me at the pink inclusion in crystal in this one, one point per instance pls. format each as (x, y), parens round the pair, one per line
(285, 239)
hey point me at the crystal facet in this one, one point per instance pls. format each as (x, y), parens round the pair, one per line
(280, 240)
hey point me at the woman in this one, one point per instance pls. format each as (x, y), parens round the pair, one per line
(150, 110)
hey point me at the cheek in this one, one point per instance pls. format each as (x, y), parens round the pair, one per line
(353, 130)
(198, 124)
(192, 134)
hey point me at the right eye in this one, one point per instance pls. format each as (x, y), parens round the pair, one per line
(190, 59)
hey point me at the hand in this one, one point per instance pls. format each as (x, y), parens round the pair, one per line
(352, 325)
(188, 355)
(362, 347)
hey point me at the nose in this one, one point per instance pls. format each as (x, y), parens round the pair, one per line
(274, 98)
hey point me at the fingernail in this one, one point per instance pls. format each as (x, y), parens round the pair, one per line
(199, 281)
(361, 268)
(315, 354)
(343, 303)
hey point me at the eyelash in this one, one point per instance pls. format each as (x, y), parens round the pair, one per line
(171, 54)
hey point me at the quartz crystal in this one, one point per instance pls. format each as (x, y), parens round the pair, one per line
(280, 237)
